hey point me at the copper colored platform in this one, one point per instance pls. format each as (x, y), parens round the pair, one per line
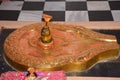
(75, 48)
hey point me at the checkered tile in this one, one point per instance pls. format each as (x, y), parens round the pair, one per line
(73, 6)
(54, 6)
(100, 16)
(57, 15)
(72, 16)
(30, 16)
(33, 6)
(11, 5)
(0, 2)
(116, 15)
(98, 5)
(61, 10)
(9, 15)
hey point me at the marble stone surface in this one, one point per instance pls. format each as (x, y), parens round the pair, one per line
(97, 5)
(30, 16)
(54, 6)
(116, 15)
(76, 16)
(14, 5)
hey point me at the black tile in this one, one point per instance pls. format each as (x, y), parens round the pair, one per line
(100, 16)
(114, 5)
(55, 0)
(9, 15)
(0, 2)
(76, 6)
(57, 15)
(33, 6)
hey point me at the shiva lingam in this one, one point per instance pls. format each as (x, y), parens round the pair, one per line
(59, 47)
(46, 38)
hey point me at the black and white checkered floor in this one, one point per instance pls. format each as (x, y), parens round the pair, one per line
(61, 10)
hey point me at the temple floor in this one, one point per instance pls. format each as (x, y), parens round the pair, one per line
(61, 10)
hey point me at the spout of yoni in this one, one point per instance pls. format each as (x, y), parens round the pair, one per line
(46, 38)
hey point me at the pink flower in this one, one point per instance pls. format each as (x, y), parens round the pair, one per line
(11, 75)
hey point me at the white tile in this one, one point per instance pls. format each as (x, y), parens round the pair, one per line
(116, 15)
(76, 0)
(54, 6)
(35, 0)
(11, 5)
(76, 16)
(30, 16)
(98, 5)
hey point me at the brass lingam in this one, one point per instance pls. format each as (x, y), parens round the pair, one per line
(59, 47)
(46, 38)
